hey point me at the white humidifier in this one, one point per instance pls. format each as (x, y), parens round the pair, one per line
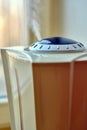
(47, 85)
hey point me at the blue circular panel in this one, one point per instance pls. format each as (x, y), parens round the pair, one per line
(57, 41)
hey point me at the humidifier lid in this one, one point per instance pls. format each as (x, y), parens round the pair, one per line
(51, 50)
(59, 44)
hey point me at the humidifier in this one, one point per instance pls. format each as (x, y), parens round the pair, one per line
(47, 85)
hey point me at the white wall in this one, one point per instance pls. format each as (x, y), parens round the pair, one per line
(69, 18)
(75, 19)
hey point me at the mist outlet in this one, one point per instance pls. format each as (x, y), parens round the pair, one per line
(58, 44)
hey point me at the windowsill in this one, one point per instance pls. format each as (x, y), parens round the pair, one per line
(3, 99)
(4, 109)
(4, 113)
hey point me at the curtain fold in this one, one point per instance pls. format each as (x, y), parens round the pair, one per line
(13, 23)
(13, 30)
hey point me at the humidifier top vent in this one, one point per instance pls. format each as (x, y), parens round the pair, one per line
(58, 44)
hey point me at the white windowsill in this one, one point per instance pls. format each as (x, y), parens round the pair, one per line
(4, 113)
(4, 109)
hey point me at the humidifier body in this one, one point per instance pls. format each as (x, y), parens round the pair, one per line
(46, 91)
